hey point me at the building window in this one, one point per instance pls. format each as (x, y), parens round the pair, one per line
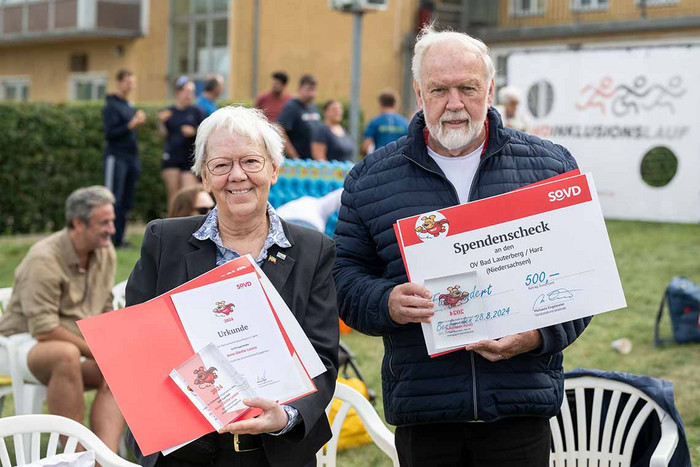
(87, 86)
(589, 5)
(657, 2)
(526, 7)
(199, 39)
(14, 89)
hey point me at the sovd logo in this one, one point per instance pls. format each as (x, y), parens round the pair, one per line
(564, 193)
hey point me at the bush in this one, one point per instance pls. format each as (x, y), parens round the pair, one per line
(49, 150)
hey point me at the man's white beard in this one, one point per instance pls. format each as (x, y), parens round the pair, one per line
(454, 138)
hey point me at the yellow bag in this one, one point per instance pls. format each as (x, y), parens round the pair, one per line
(353, 434)
(5, 380)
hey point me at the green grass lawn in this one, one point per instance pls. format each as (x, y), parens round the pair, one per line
(647, 254)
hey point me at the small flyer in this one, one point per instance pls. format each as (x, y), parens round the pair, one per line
(214, 386)
(458, 304)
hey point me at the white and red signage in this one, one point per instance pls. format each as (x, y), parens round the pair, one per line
(532, 258)
(627, 115)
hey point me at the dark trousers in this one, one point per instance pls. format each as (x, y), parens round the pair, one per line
(516, 442)
(121, 174)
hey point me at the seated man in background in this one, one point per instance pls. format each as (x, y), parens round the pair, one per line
(65, 277)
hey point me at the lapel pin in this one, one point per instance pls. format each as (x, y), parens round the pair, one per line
(272, 259)
(281, 255)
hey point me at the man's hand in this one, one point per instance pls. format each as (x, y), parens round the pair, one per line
(273, 419)
(410, 303)
(188, 131)
(138, 119)
(508, 346)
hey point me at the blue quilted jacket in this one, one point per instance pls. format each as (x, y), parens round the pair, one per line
(401, 180)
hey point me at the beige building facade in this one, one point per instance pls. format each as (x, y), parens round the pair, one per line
(46, 57)
(515, 26)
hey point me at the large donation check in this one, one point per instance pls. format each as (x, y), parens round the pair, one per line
(524, 260)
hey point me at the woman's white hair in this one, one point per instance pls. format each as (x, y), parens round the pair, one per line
(507, 94)
(428, 37)
(242, 121)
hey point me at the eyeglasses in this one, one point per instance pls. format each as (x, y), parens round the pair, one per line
(202, 210)
(223, 165)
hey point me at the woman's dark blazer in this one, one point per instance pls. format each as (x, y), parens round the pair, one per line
(171, 256)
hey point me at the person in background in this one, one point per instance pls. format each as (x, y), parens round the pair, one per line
(330, 141)
(238, 155)
(122, 166)
(509, 97)
(66, 277)
(191, 201)
(298, 119)
(271, 102)
(213, 87)
(388, 126)
(178, 124)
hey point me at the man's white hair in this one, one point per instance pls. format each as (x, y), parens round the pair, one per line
(242, 121)
(428, 37)
(507, 94)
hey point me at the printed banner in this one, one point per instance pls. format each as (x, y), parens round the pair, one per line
(629, 116)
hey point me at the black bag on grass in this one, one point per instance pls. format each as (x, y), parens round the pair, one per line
(683, 297)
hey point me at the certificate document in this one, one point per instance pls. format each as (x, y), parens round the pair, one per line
(236, 317)
(520, 261)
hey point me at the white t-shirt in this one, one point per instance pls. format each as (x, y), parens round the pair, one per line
(459, 171)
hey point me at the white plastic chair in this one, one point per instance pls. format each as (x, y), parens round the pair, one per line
(119, 295)
(29, 397)
(35, 425)
(572, 448)
(4, 298)
(376, 429)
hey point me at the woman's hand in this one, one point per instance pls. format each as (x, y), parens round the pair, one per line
(164, 115)
(272, 419)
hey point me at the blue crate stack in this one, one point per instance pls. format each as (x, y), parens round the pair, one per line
(304, 177)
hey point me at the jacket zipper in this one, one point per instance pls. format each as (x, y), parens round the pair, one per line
(454, 190)
(391, 355)
(471, 195)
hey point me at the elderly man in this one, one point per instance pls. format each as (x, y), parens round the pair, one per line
(66, 277)
(490, 404)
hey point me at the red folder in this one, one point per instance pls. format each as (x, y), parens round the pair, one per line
(136, 348)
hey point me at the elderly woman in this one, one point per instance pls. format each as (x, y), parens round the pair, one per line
(509, 97)
(238, 154)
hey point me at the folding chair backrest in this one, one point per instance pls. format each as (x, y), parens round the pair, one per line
(380, 434)
(30, 427)
(605, 427)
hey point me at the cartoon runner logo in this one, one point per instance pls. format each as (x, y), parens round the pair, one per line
(205, 378)
(453, 298)
(432, 225)
(223, 309)
(639, 96)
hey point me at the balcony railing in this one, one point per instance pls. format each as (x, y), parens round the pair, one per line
(22, 20)
(503, 20)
